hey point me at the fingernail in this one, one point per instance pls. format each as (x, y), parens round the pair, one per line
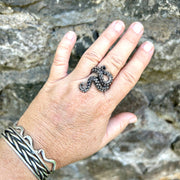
(148, 46)
(137, 27)
(132, 120)
(70, 35)
(118, 26)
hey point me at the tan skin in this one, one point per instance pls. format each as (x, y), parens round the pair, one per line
(68, 124)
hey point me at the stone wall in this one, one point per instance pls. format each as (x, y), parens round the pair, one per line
(29, 33)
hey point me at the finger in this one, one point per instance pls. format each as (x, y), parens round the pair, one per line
(61, 60)
(118, 56)
(131, 73)
(116, 125)
(99, 48)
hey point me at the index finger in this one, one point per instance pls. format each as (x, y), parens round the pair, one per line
(98, 49)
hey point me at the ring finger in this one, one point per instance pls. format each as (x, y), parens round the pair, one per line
(117, 57)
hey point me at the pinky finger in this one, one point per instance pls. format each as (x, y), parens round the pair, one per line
(61, 60)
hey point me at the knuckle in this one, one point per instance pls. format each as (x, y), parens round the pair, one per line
(131, 40)
(108, 36)
(59, 60)
(116, 61)
(63, 47)
(141, 55)
(129, 77)
(92, 56)
(61, 55)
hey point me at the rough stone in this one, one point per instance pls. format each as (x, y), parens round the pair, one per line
(30, 31)
(5, 9)
(19, 2)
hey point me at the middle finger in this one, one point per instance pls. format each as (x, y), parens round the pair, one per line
(117, 57)
(98, 49)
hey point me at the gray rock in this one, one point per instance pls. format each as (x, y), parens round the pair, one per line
(74, 18)
(134, 102)
(176, 145)
(19, 2)
(5, 9)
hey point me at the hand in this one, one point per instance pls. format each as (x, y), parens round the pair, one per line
(71, 125)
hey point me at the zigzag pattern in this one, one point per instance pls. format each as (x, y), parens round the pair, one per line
(26, 153)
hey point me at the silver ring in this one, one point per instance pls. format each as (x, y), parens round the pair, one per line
(99, 81)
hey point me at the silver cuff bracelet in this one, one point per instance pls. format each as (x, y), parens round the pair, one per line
(23, 146)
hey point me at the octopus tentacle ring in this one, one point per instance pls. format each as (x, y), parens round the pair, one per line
(99, 80)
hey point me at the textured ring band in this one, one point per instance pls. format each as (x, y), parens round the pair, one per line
(23, 146)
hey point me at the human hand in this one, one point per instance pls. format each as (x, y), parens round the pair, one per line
(71, 125)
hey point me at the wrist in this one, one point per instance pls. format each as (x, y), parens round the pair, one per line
(41, 139)
(42, 132)
(11, 166)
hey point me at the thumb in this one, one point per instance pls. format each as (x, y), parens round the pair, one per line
(61, 60)
(117, 124)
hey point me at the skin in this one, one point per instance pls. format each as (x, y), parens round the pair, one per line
(68, 124)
